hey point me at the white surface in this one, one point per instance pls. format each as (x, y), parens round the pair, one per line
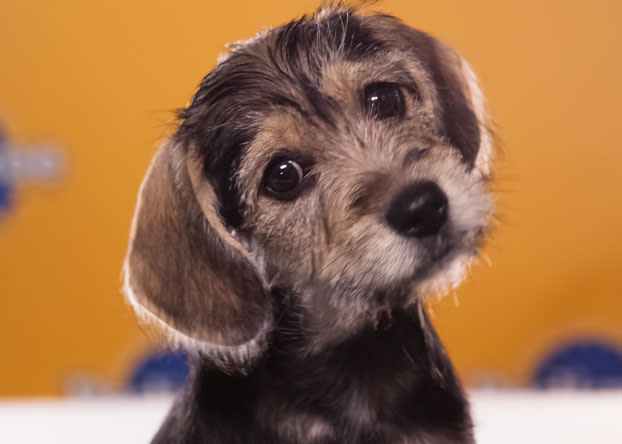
(548, 417)
(501, 418)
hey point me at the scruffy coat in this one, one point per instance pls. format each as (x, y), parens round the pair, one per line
(304, 309)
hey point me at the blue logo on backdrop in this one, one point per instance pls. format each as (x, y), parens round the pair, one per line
(5, 186)
(159, 371)
(25, 165)
(581, 364)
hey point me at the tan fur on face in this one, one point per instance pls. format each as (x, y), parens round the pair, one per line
(334, 255)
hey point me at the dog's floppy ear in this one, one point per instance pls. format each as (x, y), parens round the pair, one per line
(460, 102)
(186, 273)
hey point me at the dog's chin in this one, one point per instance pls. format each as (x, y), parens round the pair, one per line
(443, 269)
(335, 313)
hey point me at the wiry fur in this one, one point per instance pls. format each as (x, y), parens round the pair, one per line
(307, 315)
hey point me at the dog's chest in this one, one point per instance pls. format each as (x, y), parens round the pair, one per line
(299, 428)
(382, 387)
(356, 421)
(378, 388)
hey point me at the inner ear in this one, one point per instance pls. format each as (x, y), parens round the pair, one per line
(210, 205)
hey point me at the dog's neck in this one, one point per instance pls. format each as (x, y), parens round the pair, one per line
(393, 374)
(397, 353)
(324, 318)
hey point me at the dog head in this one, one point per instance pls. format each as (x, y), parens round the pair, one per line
(342, 157)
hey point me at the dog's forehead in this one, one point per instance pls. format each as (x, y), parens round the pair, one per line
(309, 74)
(291, 63)
(282, 66)
(301, 65)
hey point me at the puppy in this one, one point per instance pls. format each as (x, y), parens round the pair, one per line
(327, 175)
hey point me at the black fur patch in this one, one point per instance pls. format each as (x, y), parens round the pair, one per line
(369, 367)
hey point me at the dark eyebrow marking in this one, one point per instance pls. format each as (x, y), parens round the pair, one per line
(322, 105)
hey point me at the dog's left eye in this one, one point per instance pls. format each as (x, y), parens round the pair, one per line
(384, 100)
(282, 178)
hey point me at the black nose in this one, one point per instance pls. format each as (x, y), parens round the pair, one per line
(419, 210)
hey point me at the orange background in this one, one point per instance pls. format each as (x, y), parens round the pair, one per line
(100, 79)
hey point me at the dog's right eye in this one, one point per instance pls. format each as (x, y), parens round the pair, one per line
(282, 178)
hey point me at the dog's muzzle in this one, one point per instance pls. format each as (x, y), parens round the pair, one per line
(419, 210)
